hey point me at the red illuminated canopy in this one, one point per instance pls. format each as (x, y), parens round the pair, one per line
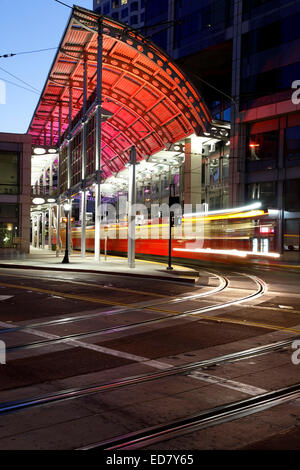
(152, 102)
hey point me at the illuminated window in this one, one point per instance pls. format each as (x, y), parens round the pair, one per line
(263, 146)
(264, 192)
(123, 2)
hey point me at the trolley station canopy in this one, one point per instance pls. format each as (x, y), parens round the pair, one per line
(147, 101)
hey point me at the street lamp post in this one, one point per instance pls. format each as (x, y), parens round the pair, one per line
(67, 208)
(171, 224)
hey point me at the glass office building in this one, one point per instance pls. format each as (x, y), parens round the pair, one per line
(244, 57)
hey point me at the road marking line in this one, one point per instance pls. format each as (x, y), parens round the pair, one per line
(249, 323)
(62, 294)
(95, 347)
(241, 387)
(89, 299)
(244, 388)
(289, 307)
(263, 307)
(119, 289)
(5, 297)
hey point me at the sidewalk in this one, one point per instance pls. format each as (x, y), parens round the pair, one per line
(113, 265)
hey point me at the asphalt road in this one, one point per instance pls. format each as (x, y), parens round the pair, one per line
(72, 330)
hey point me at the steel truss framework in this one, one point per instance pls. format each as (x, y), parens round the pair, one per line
(147, 99)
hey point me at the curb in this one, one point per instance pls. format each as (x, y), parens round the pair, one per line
(111, 273)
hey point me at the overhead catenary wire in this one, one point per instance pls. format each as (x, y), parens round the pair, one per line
(20, 86)
(20, 80)
(65, 4)
(13, 54)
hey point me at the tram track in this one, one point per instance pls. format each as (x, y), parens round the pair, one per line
(212, 417)
(223, 283)
(75, 393)
(261, 288)
(187, 424)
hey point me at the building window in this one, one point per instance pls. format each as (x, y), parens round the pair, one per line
(106, 8)
(124, 12)
(214, 171)
(134, 19)
(225, 166)
(76, 160)
(292, 145)
(134, 6)
(115, 4)
(115, 15)
(9, 173)
(263, 146)
(292, 195)
(123, 2)
(262, 151)
(264, 192)
(292, 234)
(8, 224)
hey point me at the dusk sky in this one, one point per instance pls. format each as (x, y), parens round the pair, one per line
(28, 26)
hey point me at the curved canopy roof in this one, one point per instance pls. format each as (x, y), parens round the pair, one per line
(151, 101)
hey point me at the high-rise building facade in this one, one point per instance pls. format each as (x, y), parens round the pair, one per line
(126, 11)
(243, 55)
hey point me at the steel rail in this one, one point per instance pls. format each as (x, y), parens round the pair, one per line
(204, 419)
(73, 393)
(36, 344)
(222, 286)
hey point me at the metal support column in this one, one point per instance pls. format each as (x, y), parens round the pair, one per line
(38, 231)
(69, 138)
(83, 222)
(98, 143)
(50, 177)
(68, 234)
(51, 132)
(58, 215)
(43, 229)
(32, 230)
(50, 228)
(83, 162)
(131, 209)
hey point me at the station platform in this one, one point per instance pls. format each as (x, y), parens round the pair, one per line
(44, 259)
